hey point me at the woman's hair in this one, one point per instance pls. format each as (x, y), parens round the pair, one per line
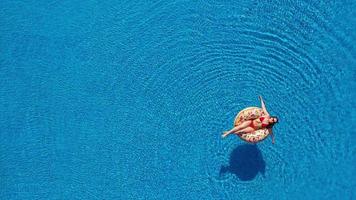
(276, 118)
(271, 125)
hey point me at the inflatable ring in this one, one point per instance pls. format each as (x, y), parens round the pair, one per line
(249, 114)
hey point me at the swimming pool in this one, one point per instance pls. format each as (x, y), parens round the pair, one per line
(127, 100)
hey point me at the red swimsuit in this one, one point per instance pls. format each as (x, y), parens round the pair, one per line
(263, 125)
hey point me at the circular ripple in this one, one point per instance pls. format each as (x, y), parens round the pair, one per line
(215, 65)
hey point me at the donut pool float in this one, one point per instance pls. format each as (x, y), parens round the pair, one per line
(251, 113)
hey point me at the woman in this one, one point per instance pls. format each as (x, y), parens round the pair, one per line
(265, 121)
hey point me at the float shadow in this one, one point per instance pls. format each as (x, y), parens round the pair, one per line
(245, 162)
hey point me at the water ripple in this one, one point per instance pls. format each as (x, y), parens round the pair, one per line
(197, 69)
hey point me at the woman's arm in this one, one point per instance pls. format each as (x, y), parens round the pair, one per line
(263, 105)
(272, 136)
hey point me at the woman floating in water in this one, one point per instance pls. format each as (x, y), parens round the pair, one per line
(253, 124)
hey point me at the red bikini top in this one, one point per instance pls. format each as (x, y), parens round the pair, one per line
(263, 125)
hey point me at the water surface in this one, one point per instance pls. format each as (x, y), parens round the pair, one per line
(127, 99)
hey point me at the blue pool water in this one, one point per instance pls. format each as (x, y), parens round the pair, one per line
(128, 99)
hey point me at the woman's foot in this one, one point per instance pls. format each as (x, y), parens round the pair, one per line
(225, 133)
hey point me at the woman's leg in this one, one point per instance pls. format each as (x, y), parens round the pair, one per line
(246, 130)
(237, 128)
